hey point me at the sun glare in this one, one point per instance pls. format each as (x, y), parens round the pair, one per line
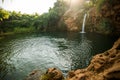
(28, 6)
(74, 1)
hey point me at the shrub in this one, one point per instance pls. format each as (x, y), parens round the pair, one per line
(105, 26)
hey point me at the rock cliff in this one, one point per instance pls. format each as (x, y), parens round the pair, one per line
(104, 20)
(104, 66)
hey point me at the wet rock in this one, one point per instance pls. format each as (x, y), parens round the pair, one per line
(80, 74)
(34, 75)
(113, 72)
(70, 20)
(104, 66)
(52, 74)
(55, 73)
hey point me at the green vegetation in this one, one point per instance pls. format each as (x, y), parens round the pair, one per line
(52, 21)
(18, 23)
(105, 26)
(99, 4)
(23, 30)
(3, 14)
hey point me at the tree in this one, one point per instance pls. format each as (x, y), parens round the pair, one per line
(3, 14)
(45, 22)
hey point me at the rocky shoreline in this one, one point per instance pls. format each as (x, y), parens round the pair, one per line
(103, 66)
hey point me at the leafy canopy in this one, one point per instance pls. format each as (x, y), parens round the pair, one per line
(3, 14)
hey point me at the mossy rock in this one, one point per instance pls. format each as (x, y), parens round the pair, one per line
(45, 77)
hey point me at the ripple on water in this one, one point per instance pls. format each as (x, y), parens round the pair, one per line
(19, 56)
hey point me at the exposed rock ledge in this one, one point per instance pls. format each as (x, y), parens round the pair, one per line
(104, 66)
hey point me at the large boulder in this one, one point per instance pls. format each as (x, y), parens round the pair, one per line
(34, 75)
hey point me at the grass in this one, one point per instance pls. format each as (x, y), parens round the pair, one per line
(24, 29)
(18, 30)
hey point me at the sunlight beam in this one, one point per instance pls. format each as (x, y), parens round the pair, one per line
(74, 3)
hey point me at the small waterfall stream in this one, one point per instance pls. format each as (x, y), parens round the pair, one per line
(83, 25)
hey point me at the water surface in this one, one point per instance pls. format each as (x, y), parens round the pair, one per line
(21, 53)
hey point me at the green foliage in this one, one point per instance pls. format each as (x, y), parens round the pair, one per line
(87, 6)
(23, 30)
(17, 19)
(49, 21)
(105, 26)
(3, 14)
(93, 2)
(99, 4)
(17, 22)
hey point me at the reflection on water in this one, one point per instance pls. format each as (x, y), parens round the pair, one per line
(82, 53)
(77, 53)
(20, 54)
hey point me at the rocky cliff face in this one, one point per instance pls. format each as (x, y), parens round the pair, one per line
(106, 20)
(104, 66)
(111, 11)
(72, 17)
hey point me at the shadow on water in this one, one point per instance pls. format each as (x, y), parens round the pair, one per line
(21, 53)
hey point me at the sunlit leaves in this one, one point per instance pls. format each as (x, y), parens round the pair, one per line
(3, 14)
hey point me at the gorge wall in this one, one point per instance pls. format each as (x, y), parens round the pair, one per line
(104, 20)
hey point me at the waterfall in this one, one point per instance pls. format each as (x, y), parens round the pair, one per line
(83, 25)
